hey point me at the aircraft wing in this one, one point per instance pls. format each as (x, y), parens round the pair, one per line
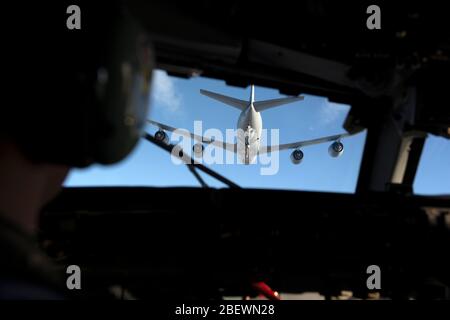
(224, 145)
(299, 144)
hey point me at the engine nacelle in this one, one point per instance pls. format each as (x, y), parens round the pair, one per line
(198, 149)
(297, 156)
(161, 136)
(177, 151)
(336, 149)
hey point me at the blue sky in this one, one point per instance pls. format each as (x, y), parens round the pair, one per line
(177, 102)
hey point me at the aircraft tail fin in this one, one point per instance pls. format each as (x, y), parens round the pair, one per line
(252, 94)
(267, 104)
(237, 103)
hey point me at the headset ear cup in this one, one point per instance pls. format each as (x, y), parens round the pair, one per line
(72, 102)
(124, 108)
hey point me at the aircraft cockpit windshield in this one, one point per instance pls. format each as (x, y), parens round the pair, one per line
(178, 103)
(215, 115)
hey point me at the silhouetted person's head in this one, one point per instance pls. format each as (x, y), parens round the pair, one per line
(77, 97)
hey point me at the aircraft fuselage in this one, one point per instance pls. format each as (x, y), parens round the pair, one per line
(249, 133)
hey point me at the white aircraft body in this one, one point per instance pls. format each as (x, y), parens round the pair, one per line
(249, 131)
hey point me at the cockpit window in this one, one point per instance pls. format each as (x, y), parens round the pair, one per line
(293, 124)
(433, 173)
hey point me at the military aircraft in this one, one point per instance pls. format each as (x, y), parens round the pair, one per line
(249, 129)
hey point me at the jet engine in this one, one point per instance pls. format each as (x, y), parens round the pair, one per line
(161, 136)
(297, 156)
(198, 150)
(336, 149)
(178, 152)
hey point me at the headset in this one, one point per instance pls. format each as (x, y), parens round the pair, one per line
(77, 96)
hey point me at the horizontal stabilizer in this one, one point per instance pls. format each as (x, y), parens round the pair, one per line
(237, 103)
(267, 104)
